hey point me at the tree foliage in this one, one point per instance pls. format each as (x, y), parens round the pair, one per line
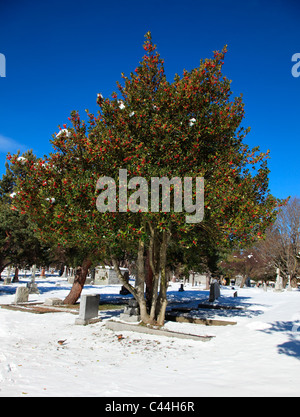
(18, 244)
(151, 127)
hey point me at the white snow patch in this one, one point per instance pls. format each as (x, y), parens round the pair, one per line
(259, 356)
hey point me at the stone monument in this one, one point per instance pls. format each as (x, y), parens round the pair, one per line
(32, 286)
(214, 291)
(89, 308)
(131, 312)
(279, 283)
(21, 295)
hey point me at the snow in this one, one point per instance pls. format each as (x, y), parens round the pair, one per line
(64, 131)
(121, 104)
(259, 356)
(52, 200)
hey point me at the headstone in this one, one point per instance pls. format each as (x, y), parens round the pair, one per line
(65, 273)
(33, 269)
(32, 286)
(93, 273)
(131, 312)
(279, 283)
(71, 279)
(7, 280)
(88, 280)
(214, 291)
(181, 288)
(289, 287)
(53, 301)
(124, 290)
(16, 275)
(21, 295)
(107, 276)
(89, 308)
(238, 280)
(71, 276)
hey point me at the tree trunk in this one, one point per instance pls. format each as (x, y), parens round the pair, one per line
(148, 281)
(155, 267)
(156, 258)
(162, 301)
(139, 296)
(79, 281)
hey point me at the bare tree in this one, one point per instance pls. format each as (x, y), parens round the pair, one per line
(282, 244)
(248, 263)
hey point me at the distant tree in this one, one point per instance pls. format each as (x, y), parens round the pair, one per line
(282, 244)
(248, 263)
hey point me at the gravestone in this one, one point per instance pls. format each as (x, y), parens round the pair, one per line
(131, 312)
(43, 273)
(65, 273)
(71, 276)
(181, 288)
(89, 308)
(32, 286)
(7, 280)
(214, 291)
(124, 290)
(107, 276)
(279, 282)
(93, 273)
(289, 287)
(53, 302)
(21, 295)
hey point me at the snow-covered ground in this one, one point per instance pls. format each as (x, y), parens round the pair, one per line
(259, 356)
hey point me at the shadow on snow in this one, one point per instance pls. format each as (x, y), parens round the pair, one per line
(292, 330)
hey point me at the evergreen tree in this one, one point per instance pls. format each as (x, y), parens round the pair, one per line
(18, 244)
(186, 128)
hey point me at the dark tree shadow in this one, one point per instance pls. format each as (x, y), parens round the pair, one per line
(292, 330)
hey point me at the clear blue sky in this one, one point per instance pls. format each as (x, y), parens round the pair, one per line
(60, 54)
